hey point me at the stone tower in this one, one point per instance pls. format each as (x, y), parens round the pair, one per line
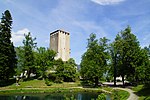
(60, 43)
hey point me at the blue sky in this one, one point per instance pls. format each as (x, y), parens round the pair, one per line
(80, 18)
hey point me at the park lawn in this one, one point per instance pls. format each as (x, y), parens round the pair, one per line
(28, 84)
(124, 95)
(110, 89)
(39, 86)
(120, 94)
(142, 92)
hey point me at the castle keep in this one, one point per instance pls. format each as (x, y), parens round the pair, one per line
(60, 43)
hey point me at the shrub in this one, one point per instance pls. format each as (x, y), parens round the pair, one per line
(102, 96)
(58, 80)
(48, 82)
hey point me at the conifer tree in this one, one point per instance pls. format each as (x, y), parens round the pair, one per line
(7, 53)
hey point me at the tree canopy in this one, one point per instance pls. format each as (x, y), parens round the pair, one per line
(44, 60)
(66, 71)
(94, 60)
(29, 46)
(127, 56)
(8, 59)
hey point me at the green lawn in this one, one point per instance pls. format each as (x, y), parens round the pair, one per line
(39, 86)
(142, 92)
(107, 88)
(120, 94)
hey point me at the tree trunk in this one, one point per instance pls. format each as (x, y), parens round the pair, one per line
(96, 81)
(28, 73)
(122, 79)
(115, 71)
(114, 79)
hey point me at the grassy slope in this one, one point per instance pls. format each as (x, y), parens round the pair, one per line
(143, 93)
(39, 86)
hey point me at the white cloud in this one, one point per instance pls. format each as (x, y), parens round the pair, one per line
(107, 2)
(17, 37)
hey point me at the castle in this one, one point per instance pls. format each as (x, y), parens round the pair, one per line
(60, 43)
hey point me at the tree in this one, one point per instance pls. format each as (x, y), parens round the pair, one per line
(44, 60)
(59, 66)
(66, 71)
(20, 59)
(8, 59)
(94, 60)
(126, 50)
(142, 70)
(148, 50)
(70, 70)
(113, 69)
(29, 46)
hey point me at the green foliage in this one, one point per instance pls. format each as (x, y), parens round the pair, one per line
(94, 60)
(28, 47)
(115, 95)
(20, 59)
(4, 83)
(138, 88)
(148, 50)
(102, 96)
(145, 56)
(128, 59)
(142, 91)
(44, 59)
(8, 59)
(69, 98)
(66, 70)
(58, 79)
(119, 95)
(48, 82)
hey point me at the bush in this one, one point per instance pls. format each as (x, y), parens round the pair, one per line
(58, 80)
(119, 95)
(147, 98)
(102, 96)
(48, 82)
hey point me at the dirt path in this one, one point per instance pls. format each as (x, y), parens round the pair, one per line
(132, 95)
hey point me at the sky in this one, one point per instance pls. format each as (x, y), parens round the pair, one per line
(78, 17)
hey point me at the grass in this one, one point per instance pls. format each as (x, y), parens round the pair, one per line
(120, 94)
(107, 88)
(142, 92)
(39, 86)
(48, 90)
(138, 88)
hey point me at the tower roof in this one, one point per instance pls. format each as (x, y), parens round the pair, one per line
(59, 30)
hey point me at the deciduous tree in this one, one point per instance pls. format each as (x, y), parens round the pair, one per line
(126, 50)
(67, 71)
(44, 60)
(94, 60)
